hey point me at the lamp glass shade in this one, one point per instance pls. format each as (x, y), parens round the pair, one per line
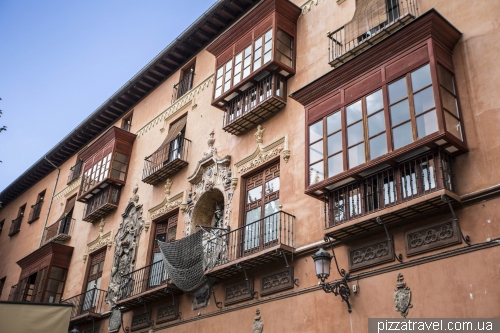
(322, 260)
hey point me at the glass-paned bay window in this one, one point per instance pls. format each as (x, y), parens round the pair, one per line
(284, 48)
(450, 102)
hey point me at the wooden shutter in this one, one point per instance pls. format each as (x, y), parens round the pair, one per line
(175, 129)
(368, 14)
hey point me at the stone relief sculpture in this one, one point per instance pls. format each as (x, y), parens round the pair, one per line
(126, 241)
(258, 325)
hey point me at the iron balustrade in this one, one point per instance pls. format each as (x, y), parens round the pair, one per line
(163, 157)
(144, 279)
(35, 211)
(60, 230)
(102, 202)
(75, 171)
(183, 86)
(91, 301)
(267, 232)
(416, 177)
(126, 127)
(14, 293)
(272, 85)
(398, 13)
(16, 225)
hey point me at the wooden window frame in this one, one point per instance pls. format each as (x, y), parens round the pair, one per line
(384, 87)
(171, 221)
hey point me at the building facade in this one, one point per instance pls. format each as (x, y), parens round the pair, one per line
(267, 130)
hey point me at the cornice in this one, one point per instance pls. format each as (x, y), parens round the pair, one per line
(68, 189)
(177, 106)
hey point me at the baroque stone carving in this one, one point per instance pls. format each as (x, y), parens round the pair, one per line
(166, 206)
(168, 185)
(368, 255)
(239, 292)
(173, 109)
(101, 240)
(263, 154)
(126, 241)
(115, 321)
(402, 296)
(277, 281)
(431, 237)
(307, 6)
(258, 325)
(167, 313)
(209, 177)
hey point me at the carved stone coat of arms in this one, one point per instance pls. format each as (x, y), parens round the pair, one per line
(402, 297)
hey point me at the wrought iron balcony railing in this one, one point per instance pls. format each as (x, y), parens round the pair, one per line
(14, 293)
(416, 177)
(60, 231)
(255, 104)
(88, 303)
(100, 204)
(266, 233)
(144, 279)
(16, 225)
(35, 211)
(75, 171)
(167, 160)
(183, 86)
(350, 40)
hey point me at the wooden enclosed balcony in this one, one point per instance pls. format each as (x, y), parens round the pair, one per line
(60, 231)
(413, 188)
(103, 202)
(166, 161)
(89, 305)
(369, 27)
(255, 104)
(251, 245)
(145, 284)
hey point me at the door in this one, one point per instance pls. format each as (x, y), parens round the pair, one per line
(93, 284)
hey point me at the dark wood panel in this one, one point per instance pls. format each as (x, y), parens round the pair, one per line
(407, 63)
(364, 86)
(324, 108)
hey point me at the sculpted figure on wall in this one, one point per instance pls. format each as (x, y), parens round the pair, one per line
(126, 241)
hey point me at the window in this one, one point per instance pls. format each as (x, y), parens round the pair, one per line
(450, 102)
(31, 288)
(16, 223)
(165, 232)
(410, 113)
(127, 122)
(93, 282)
(261, 205)
(284, 48)
(36, 208)
(2, 284)
(262, 49)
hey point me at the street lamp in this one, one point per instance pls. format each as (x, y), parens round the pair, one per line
(75, 330)
(322, 261)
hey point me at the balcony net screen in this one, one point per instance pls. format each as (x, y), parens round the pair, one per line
(184, 261)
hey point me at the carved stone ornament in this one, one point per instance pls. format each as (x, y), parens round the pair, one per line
(263, 154)
(101, 240)
(277, 281)
(165, 207)
(201, 297)
(239, 292)
(369, 255)
(209, 177)
(126, 241)
(402, 297)
(257, 325)
(432, 237)
(115, 321)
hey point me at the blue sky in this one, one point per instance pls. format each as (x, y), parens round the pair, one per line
(60, 60)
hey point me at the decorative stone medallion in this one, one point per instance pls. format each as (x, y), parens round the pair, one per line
(402, 297)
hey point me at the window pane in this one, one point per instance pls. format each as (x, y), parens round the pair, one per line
(424, 100)
(355, 133)
(376, 124)
(268, 35)
(252, 232)
(446, 79)
(283, 36)
(284, 49)
(427, 124)
(335, 165)
(316, 152)
(271, 207)
(421, 78)
(397, 90)
(316, 131)
(254, 194)
(258, 43)
(353, 112)
(357, 155)
(334, 143)
(267, 57)
(428, 175)
(374, 102)
(238, 58)
(271, 222)
(378, 146)
(453, 125)
(316, 173)
(400, 112)
(449, 102)
(57, 273)
(220, 71)
(333, 123)
(121, 158)
(272, 186)
(402, 135)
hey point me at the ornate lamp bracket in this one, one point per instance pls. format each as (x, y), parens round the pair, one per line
(390, 241)
(253, 294)
(466, 238)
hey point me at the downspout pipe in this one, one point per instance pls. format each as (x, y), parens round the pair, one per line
(51, 199)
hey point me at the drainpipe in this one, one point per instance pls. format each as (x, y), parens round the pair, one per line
(51, 200)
